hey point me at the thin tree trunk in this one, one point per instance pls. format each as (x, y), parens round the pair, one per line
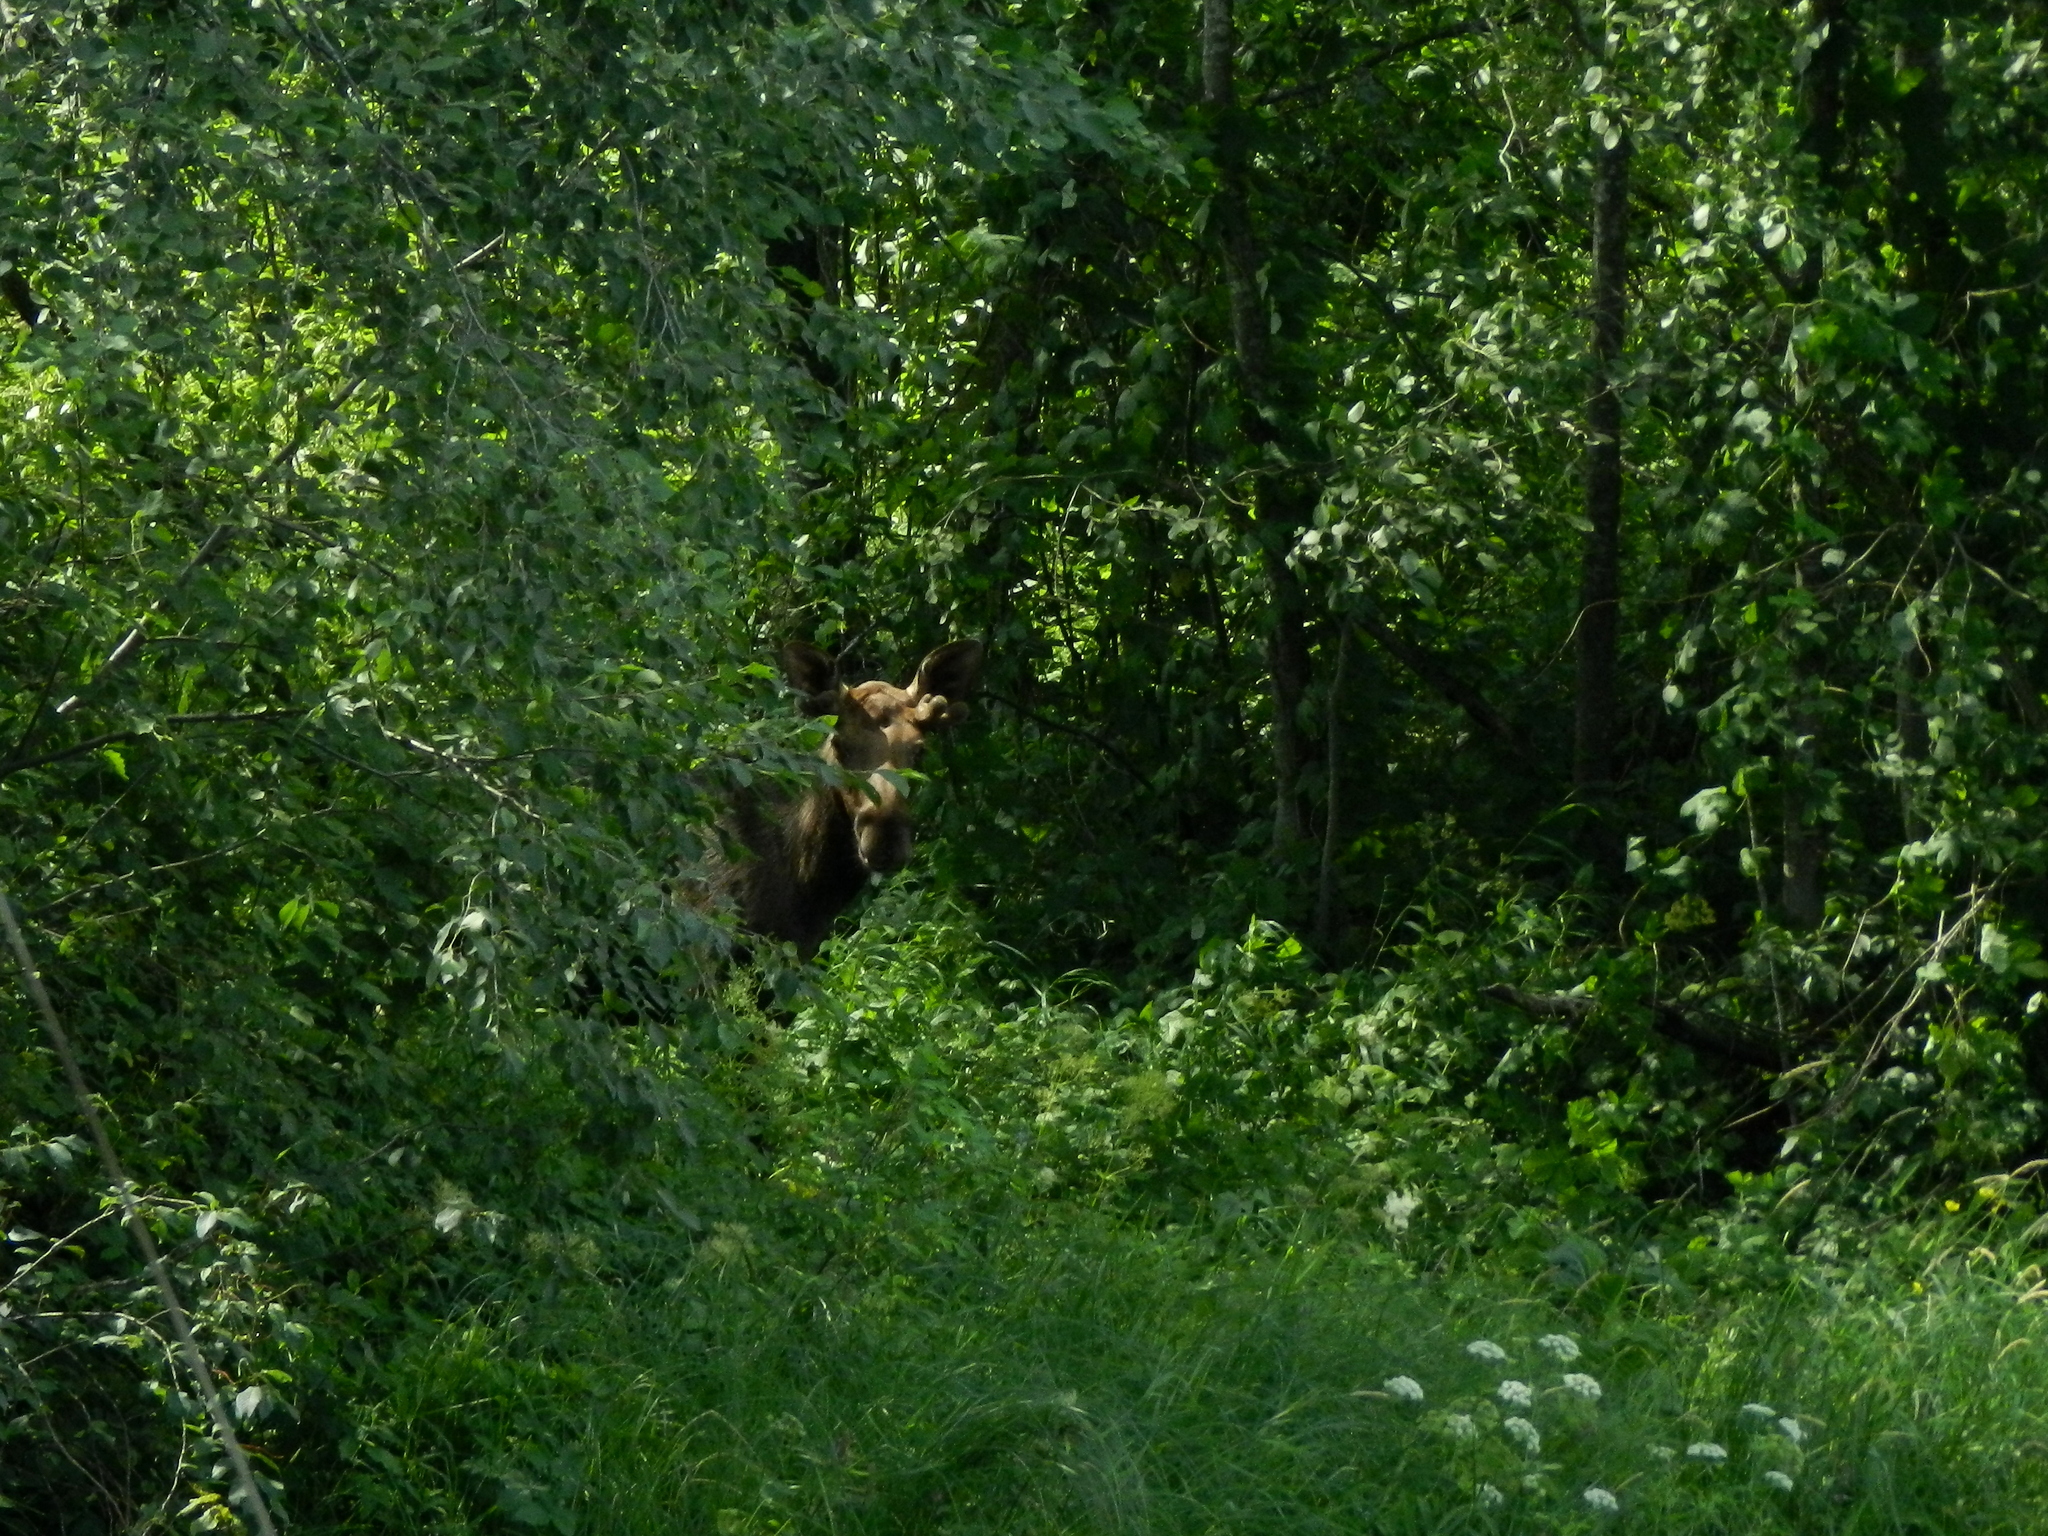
(1278, 500)
(1909, 679)
(1333, 799)
(1287, 665)
(1803, 897)
(1820, 99)
(1804, 901)
(1600, 561)
(1925, 205)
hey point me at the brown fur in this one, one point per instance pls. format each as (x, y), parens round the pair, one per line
(805, 858)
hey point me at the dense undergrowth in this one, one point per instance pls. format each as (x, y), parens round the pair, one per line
(1086, 1378)
(1270, 1249)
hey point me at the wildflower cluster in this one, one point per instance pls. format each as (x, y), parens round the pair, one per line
(1505, 1420)
(1496, 1434)
(1780, 1438)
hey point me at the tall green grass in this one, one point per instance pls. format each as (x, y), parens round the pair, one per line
(1102, 1380)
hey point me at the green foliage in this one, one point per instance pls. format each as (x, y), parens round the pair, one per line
(1083, 1377)
(421, 424)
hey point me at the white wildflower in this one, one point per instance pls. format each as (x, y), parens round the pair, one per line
(1779, 1481)
(1406, 1388)
(1706, 1450)
(1602, 1500)
(1580, 1383)
(1459, 1426)
(1563, 1348)
(1487, 1350)
(1663, 1452)
(1523, 1433)
(1397, 1208)
(1489, 1497)
(1760, 1410)
(1516, 1394)
(1793, 1430)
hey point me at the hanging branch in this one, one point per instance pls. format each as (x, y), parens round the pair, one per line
(1107, 748)
(1387, 53)
(93, 743)
(110, 1162)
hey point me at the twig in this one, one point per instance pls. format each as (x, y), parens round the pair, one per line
(136, 638)
(1432, 671)
(1386, 55)
(57, 1247)
(110, 1162)
(451, 761)
(1945, 939)
(93, 743)
(482, 252)
(86, 892)
(1045, 722)
(1667, 1018)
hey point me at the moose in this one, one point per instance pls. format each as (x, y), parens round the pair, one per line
(802, 859)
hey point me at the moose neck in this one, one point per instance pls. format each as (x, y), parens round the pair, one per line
(825, 859)
(802, 866)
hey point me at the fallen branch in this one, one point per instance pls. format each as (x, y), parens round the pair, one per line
(1731, 1040)
(1433, 672)
(1045, 723)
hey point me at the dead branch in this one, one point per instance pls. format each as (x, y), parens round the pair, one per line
(1711, 1033)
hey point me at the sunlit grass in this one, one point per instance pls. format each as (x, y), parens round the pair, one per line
(1099, 1380)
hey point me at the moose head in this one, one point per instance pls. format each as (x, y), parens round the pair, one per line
(878, 727)
(808, 857)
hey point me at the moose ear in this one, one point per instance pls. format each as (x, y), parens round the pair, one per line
(950, 672)
(814, 675)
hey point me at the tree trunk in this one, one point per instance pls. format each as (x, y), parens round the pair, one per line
(1804, 901)
(1278, 502)
(1600, 561)
(1287, 666)
(1909, 680)
(1803, 896)
(1925, 207)
(1333, 799)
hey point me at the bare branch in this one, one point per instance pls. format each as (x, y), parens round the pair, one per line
(136, 638)
(465, 770)
(1108, 749)
(94, 743)
(251, 1496)
(1437, 674)
(1713, 1034)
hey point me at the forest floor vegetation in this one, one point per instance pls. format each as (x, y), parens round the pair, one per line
(1083, 1376)
(1011, 1269)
